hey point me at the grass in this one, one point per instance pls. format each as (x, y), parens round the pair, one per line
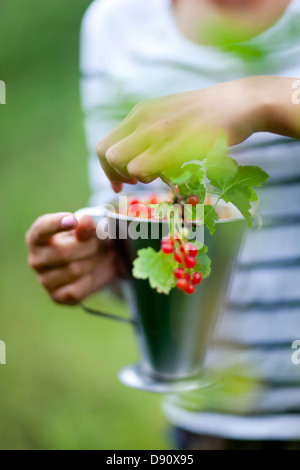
(59, 388)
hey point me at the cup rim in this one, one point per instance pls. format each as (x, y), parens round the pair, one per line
(127, 218)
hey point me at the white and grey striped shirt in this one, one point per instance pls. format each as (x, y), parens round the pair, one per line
(131, 51)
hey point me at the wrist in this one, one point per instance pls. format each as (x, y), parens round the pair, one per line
(262, 101)
(273, 108)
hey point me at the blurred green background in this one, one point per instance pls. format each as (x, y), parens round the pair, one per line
(59, 388)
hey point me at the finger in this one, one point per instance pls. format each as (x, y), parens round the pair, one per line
(120, 154)
(167, 154)
(144, 167)
(48, 225)
(117, 187)
(62, 252)
(120, 133)
(86, 228)
(54, 278)
(113, 175)
(73, 294)
(100, 277)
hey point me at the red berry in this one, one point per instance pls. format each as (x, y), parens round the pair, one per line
(190, 262)
(153, 199)
(179, 273)
(182, 249)
(167, 248)
(197, 278)
(187, 276)
(193, 200)
(182, 284)
(191, 249)
(193, 252)
(178, 258)
(134, 201)
(190, 289)
(167, 242)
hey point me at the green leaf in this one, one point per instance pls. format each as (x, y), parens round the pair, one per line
(250, 176)
(210, 218)
(241, 198)
(189, 181)
(236, 183)
(203, 262)
(220, 168)
(194, 187)
(222, 171)
(254, 196)
(157, 267)
(188, 171)
(240, 191)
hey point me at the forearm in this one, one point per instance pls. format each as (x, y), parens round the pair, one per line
(279, 106)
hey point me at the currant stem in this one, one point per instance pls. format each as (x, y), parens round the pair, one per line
(177, 195)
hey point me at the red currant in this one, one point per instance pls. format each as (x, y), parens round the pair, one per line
(178, 258)
(190, 289)
(167, 248)
(153, 199)
(182, 284)
(179, 273)
(166, 240)
(187, 276)
(193, 200)
(191, 250)
(190, 262)
(197, 278)
(134, 201)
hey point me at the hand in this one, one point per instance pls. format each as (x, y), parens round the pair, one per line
(71, 262)
(162, 133)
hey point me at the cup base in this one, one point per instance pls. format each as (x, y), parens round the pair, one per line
(132, 376)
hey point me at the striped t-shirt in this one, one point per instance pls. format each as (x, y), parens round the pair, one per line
(131, 51)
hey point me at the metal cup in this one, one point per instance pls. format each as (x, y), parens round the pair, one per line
(174, 331)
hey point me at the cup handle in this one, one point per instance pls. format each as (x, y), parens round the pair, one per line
(109, 316)
(97, 214)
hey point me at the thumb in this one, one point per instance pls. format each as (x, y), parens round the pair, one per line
(86, 229)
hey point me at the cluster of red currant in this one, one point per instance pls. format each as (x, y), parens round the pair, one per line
(185, 254)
